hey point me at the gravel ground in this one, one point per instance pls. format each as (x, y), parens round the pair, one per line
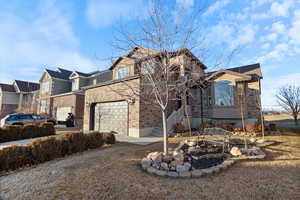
(114, 173)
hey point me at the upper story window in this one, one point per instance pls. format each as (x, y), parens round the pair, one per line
(45, 87)
(147, 69)
(43, 105)
(224, 93)
(94, 81)
(186, 76)
(75, 84)
(122, 72)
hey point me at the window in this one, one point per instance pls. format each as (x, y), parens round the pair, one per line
(186, 76)
(45, 87)
(43, 105)
(75, 84)
(224, 93)
(25, 117)
(37, 117)
(209, 98)
(147, 69)
(122, 72)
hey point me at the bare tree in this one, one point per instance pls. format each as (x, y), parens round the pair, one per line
(289, 99)
(165, 36)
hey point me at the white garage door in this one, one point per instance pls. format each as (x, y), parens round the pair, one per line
(112, 116)
(62, 113)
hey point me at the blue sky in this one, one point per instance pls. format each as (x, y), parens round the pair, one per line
(76, 34)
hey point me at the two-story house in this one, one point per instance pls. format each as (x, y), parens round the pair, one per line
(61, 92)
(231, 94)
(20, 96)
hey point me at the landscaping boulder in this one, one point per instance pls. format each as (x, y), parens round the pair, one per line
(155, 156)
(164, 166)
(235, 151)
(146, 163)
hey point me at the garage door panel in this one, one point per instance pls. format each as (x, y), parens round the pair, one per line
(62, 113)
(112, 116)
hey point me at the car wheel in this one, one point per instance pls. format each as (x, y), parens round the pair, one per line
(20, 124)
(53, 122)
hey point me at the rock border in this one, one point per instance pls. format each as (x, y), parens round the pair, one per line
(146, 165)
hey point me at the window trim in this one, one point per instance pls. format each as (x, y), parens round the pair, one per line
(45, 89)
(118, 71)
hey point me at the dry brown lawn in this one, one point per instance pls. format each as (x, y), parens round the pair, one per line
(114, 173)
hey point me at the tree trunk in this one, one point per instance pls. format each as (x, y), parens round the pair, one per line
(296, 119)
(165, 131)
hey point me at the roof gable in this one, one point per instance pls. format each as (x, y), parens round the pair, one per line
(25, 86)
(219, 73)
(60, 74)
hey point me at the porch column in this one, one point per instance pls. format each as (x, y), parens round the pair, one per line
(20, 101)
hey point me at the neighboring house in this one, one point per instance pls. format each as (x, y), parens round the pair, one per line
(20, 96)
(106, 109)
(61, 92)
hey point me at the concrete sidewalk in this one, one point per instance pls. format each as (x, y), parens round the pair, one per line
(134, 140)
(22, 142)
(119, 138)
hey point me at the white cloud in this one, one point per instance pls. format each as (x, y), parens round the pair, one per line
(266, 46)
(259, 16)
(257, 3)
(278, 27)
(216, 6)
(102, 13)
(28, 45)
(185, 3)
(281, 9)
(245, 35)
(277, 54)
(294, 31)
(271, 37)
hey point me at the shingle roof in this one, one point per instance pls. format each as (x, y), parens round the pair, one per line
(245, 69)
(87, 74)
(241, 69)
(7, 87)
(61, 73)
(25, 86)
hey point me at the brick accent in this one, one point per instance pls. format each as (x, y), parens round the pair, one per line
(75, 101)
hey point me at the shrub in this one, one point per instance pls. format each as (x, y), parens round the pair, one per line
(17, 132)
(46, 129)
(49, 148)
(179, 128)
(45, 149)
(29, 131)
(73, 143)
(272, 127)
(12, 133)
(13, 157)
(109, 138)
(225, 126)
(253, 128)
(208, 125)
(94, 140)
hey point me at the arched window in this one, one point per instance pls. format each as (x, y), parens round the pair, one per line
(224, 93)
(122, 72)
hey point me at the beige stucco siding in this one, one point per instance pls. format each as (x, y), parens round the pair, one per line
(125, 62)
